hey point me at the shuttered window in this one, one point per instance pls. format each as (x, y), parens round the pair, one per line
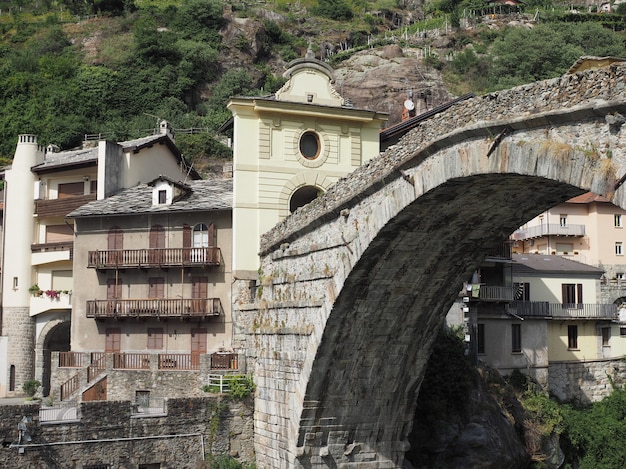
(155, 338)
(59, 233)
(71, 189)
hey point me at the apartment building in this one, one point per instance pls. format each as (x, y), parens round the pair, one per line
(42, 186)
(587, 228)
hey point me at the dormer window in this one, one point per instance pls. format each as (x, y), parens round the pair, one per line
(162, 193)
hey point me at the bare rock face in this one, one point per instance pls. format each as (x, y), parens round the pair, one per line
(466, 418)
(381, 79)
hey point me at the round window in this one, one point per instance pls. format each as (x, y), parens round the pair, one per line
(310, 145)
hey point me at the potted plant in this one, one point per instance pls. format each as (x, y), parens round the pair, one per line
(52, 294)
(34, 290)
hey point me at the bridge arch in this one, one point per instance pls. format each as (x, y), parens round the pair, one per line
(356, 284)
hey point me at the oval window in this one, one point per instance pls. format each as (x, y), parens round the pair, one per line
(310, 145)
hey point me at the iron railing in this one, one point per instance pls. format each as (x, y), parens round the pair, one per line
(549, 229)
(154, 307)
(141, 258)
(59, 412)
(563, 311)
(493, 293)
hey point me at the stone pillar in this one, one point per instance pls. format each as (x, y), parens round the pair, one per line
(19, 327)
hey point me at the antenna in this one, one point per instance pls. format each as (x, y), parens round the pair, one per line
(188, 172)
(158, 119)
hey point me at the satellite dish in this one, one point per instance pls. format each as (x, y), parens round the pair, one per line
(409, 105)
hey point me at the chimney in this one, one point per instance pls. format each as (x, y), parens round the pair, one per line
(166, 129)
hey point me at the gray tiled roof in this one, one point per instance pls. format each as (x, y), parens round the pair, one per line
(544, 263)
(205, 194)
(64, 158)
(76, 157)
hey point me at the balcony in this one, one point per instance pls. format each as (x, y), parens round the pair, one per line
(563, 311)
(491, 293)
(551, 229)
(154, 308)
(61, 207)
(160, 258)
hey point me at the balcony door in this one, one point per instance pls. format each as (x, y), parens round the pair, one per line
(572, 294)
(113, 340)
(198, 345)
(199, 293)
(157, 244)
(115, 245)
(203, 238)
(114, 293)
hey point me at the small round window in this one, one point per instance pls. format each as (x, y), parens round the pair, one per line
(310, 145)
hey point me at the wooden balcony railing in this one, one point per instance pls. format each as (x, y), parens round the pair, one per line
(131, 361)
(72, 359)
(563, 311)
(70, 386)
(61, 207)
(179, 361)
(142, 258)
(154, 307)
(224, 361)
(98, 365)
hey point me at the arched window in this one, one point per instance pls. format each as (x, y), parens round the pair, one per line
(200, 236)
(303, 196)
(204, 235)
(12, 378)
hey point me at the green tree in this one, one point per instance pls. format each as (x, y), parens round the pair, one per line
(200, 20)
(334, 9)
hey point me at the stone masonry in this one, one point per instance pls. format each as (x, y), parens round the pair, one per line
(354, 286)
(106, 433)
(586, 382)
(20, 328)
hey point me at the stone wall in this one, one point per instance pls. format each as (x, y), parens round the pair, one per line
(106, 433)
(585, 382)
(123, 383)
(20, 329)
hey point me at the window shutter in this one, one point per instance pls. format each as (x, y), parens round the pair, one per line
(212, 235)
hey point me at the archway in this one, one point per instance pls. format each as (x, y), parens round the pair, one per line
(54, 338)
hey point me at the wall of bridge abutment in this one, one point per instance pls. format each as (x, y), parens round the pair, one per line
(340, 331)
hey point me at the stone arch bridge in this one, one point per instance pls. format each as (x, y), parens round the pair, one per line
(354, 286)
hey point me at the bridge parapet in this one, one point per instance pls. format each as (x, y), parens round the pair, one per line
(570, 98)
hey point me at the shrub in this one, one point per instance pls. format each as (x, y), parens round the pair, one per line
(334, 9)
(30, 387)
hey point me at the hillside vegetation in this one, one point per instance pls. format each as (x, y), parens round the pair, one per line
(113, 67)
